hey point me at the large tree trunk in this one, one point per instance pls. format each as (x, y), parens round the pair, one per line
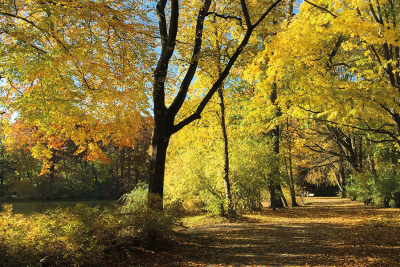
(228, 194)
(274, 188)
(159, 147)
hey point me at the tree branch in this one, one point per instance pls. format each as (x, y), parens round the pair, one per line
(35, 26)
(321, 8)
(225, 72)
(335, 49)
(226, 17)
(374, 13)
(180, 98)
(246, 13)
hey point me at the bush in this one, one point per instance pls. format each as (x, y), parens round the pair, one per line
(380, 188)
(148, 221)
(81, 236)
(61, 237)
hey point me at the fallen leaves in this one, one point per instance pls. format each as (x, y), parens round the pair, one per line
(325, 232)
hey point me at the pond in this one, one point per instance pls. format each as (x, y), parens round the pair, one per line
(30, 207)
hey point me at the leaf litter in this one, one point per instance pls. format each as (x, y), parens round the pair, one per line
(324, 232)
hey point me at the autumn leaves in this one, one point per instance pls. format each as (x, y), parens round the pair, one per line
(91, 69)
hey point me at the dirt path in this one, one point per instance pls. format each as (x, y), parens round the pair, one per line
(324, 232)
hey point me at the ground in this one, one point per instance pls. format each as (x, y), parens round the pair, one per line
(323, 232)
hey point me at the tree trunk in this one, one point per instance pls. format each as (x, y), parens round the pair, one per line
(96, 179)
(1, 184)
(129, 168)
(122, 166)
(227, 185)
(342, 178)
(292, 190)
(275, 196)
(372, 168)
(136, 168)
(283, 198)
(51, 170)
(275, 189)
(159, 147)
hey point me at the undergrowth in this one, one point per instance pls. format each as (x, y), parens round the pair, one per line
(81, 236)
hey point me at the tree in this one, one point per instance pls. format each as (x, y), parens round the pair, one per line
(77, 69)
(347, 75)
(94, 73)
(164, 117)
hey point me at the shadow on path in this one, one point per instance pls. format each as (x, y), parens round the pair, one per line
(320, 234)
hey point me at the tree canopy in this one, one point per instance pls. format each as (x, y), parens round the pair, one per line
(242, 94)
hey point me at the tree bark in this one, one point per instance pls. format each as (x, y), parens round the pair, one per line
(292, 190)
(274, 188)
(1, 184)
(227, 186)
(159, 147)
(342, 178)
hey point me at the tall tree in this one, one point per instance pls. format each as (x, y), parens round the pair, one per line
(84, 67)
(164, 117)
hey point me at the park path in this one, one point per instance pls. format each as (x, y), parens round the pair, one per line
(323, 232)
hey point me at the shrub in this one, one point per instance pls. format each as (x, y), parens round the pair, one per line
(60, 237)
(80, 236)
(381, 188)
(360, 186)
(149, 222)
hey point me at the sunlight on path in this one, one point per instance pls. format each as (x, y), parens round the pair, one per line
(323, 232)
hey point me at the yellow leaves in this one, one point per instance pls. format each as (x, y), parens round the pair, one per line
(41, 151)
(72, 58)
(348, 46)
(95, 153)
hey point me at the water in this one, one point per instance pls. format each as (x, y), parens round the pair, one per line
(29, 207)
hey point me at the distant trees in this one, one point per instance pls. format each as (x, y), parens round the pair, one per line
(71, 173)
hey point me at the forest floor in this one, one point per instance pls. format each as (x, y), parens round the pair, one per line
(322, 232)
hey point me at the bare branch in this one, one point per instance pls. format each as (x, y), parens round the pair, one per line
(226, 17)
(321, 8)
